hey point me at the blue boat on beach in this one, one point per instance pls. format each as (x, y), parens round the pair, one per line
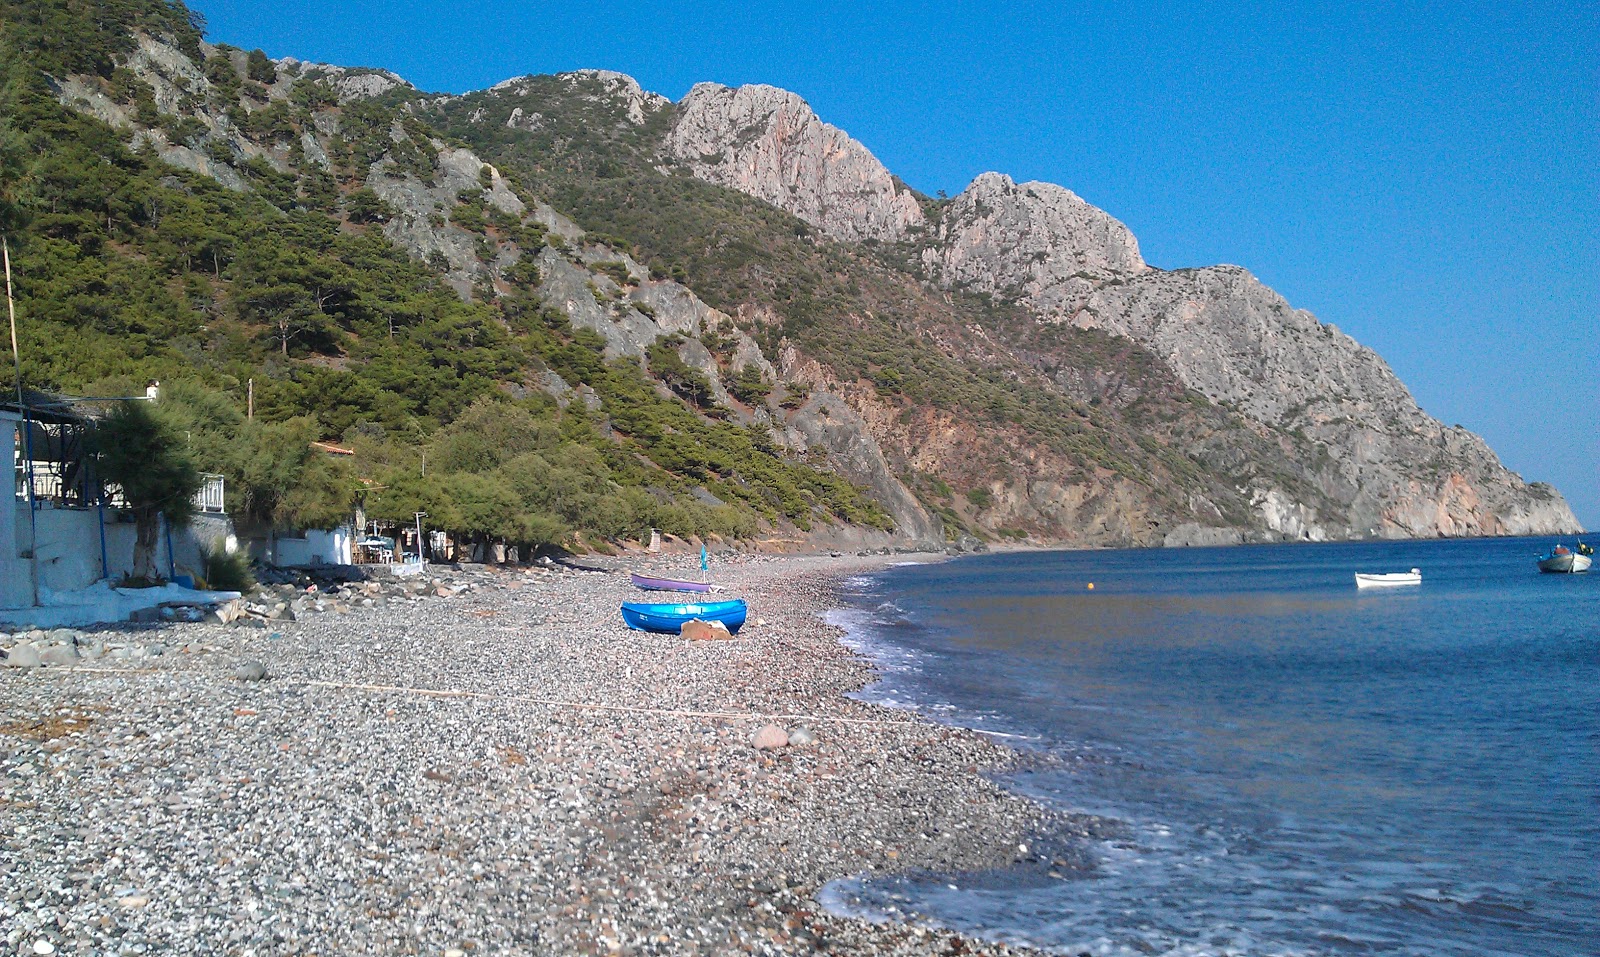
(670, 618)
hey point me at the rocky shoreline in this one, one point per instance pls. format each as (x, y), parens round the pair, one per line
(496, 766)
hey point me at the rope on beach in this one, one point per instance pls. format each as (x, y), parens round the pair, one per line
(547, 702)
(590, 706)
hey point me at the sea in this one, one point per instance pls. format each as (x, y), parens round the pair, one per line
(1265, 760)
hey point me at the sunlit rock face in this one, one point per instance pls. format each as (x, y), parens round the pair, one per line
(1034, 242)
(767, 143)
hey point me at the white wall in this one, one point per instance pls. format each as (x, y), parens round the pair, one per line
(16, 583)
(317, 547)
(69, 544)
(69, 555)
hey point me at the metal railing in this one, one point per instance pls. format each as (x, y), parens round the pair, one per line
(210, 498)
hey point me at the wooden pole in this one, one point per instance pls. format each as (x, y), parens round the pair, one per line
(11, 309)
(16, 354)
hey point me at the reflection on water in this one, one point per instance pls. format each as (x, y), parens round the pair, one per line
(1295, 766)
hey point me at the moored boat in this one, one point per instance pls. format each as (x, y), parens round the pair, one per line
(671, 617)
(1563, 560)
(1370, 580)
(658, 583)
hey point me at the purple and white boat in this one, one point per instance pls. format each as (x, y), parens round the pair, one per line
(653, 583)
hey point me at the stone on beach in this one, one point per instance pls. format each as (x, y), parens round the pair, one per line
(770, 738)
(802, 736)
(250, 671)
(64, 654)
(24, 655)
(697, 630)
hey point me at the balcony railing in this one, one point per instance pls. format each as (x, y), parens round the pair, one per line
(210, 496)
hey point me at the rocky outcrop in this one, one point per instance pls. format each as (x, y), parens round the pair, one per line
(1235, 341)
(1397, 470)
(767, 143)
(1033, 242)
(347, 83)
(826, 422)
(605, 87)
(422, 225)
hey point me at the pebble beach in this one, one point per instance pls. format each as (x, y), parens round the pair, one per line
(494, 765)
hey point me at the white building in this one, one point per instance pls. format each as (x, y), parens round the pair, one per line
(57, 533)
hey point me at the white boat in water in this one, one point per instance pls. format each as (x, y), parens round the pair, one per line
(1564, 560)
(1366, 580)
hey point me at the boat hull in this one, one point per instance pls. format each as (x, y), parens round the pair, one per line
(652, 583)
(1568, 564)
(670, 618)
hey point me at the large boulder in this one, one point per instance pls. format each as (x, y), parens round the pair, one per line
(697, 630)
(770, 738)
(23, 655)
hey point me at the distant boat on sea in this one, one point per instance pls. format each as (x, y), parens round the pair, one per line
(656, 583)
(1566, 561)
(1367, 580)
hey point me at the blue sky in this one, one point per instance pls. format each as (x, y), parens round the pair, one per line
(1427, 176)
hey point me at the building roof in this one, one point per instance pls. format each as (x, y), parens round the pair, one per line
(43, 406)
(332, 449)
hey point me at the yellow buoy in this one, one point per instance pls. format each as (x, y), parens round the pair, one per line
(1091, 586)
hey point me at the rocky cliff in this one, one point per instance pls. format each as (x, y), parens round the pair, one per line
(1385, 467)
(1036, 243)
(767, 143)
(1397, 471)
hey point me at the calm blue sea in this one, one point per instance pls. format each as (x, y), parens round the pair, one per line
(1271, 762)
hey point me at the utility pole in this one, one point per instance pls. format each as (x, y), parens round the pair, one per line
(420, 517)
(11, 309)
(27, 423)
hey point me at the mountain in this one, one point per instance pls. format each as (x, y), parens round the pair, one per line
(1385, 466)
(297, 257)
(720, 316)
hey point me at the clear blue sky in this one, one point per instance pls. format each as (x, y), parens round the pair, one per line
(1427, 176)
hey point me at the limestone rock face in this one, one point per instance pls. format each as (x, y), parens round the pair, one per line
(1034, 242)
(1399, 471)
(1234, 340)
(828, 423)
(767, 143)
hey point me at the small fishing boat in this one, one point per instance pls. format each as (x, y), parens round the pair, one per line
(657, 583)
(670, 618)
(1563, 560)
(1368, 580)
